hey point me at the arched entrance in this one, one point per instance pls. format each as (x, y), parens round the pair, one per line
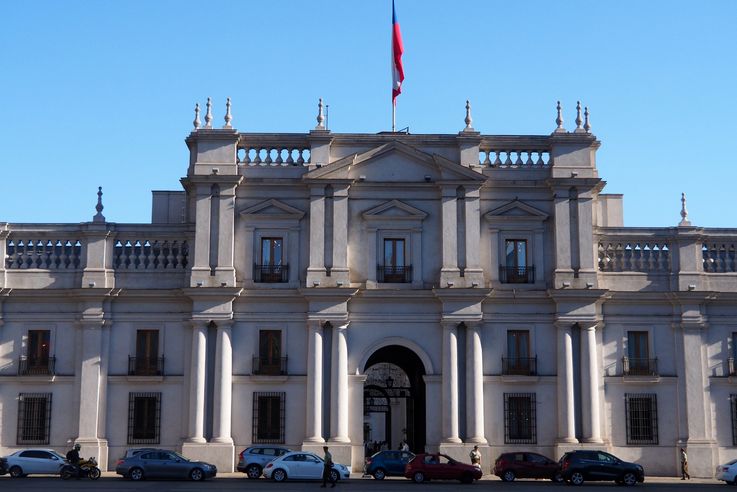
(394, 398)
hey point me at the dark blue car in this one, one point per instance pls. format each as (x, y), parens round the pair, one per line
(387, 463)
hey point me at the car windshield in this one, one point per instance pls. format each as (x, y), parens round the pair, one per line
(178, 456)
(57, 455)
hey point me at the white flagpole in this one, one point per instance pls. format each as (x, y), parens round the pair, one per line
(394, 117)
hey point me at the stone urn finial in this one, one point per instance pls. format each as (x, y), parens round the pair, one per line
(468, 118)
(684, 213)
(228, 118)
(559, 119)
(99, 207)
(208, 114)
(196, 121)
(586, 124)
(320, 116)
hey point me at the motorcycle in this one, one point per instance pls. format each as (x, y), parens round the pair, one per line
(86, 469)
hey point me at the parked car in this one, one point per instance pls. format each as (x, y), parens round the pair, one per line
(161, 463)
(134, 451)
(252, 460)
(32, 461)
(728, 472)
(301, 465)
(387, 464)
(509, 466)
(426, 467)
(576, 467)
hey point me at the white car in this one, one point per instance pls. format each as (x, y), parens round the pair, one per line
(301, 465)
(33, 461)
(727, 472)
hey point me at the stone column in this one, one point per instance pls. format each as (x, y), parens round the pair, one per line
(474, 385)
(313, 426)
(339, 398)
(223, 384)
(339, 270)
(316, 269)
(449, 272)
(197, 383)
(201, 266)
(4, 233)
(450, 382)
(590, 385)
(566, 415)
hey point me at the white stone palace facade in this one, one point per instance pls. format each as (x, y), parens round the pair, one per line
(449, 290)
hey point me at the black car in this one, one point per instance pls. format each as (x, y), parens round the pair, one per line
(3, 466)
(162, 463)
(576, 467)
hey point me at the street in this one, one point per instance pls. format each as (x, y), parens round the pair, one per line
(234, 482)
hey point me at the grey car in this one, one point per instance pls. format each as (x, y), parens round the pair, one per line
(162, 463)
(252, 461)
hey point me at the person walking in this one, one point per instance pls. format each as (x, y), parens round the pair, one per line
(684, 465)
(327, 468)
(475, 456)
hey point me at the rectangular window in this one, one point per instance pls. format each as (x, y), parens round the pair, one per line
(520, 425)
(144, 418)
(268, 418)
(516, 253)
(394, 252)
(395, 268)
(515, 269)
(638, 353)
(272, 268)
(271, 251)
(518, 360)
(269, 359)
(39, 348)
(642, 418)
(733, 405)
(34, 418)
(146, 362)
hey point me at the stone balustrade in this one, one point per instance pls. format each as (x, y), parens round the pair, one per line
(47, 252)
(257, 150)
(150, 254)
(719, 256)
(515, 152)
(648, 255)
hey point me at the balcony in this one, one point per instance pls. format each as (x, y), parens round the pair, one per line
(731, 367)
(271, 274)
(269, 366)
(145, 366)
(519, 366)
(394, 274)
(37, 366)
(639, 367)
(517, 275)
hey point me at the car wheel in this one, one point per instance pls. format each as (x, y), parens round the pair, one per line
(629, 479)
(136, 474)
(508, 476)
(334, 476)
(16, 471)
(253, 471)
(279, 475)
(557, 478)
(379, 474)
(196, 475)
(418, 477)
(576, 478)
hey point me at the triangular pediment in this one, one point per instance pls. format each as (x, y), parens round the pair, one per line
(395, 161)
(517, 210)
(394, 209)
(272, 209)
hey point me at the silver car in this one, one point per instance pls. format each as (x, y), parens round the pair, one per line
(33, 461)
(252, 460)
(161, 463)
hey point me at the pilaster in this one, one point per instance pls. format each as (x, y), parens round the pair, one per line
(474, 385)
(473, 274)
(566, 413)
(450, 383)
(313, 411)
(196, 433)
(449, 274)
(316, 268)
(339, 410)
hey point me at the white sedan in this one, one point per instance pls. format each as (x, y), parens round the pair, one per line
(33, 461)
(301, 465)
(728, 472)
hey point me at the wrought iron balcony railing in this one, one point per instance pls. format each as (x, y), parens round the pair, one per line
(519, 366)
(36, 366)
(632, 366)
(731, 367)
(517, 275)
(394, 274)
(145, 366)
(269, 366)
(271, 273)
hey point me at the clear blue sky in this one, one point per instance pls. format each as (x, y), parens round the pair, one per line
(101, 93)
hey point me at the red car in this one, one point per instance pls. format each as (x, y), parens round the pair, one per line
(509, 466)
(426, 467)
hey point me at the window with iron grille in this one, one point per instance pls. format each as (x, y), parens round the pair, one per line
(34, 418)
(733, 404)
(268, 418)
(642, 418)
(520, 423)
(144, 418)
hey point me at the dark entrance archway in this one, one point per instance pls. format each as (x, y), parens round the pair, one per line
(378, 394)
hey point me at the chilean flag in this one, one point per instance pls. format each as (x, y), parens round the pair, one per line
(397, 50)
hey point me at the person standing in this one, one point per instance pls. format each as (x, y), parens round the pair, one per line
(475, 456)
(327, 468)
(684, 465)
